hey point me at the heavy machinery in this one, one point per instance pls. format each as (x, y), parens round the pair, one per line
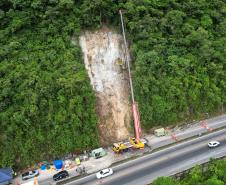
(119, 147)
(137, 143)
(132, 143)
(136, 117)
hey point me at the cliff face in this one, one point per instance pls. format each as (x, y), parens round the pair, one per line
(104, 58)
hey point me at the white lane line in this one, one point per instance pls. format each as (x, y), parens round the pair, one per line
(171, 147)
(156, 153)
(169, 171)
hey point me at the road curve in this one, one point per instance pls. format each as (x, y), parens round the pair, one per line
(169, 161)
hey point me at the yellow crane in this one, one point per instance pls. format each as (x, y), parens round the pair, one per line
(132, 143)
(119, 147)
(137, 143)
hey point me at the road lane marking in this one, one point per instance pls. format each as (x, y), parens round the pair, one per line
(159, 152)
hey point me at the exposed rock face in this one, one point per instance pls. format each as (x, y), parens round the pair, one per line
(104, 58)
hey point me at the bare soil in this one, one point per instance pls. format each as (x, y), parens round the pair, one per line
(104, 59)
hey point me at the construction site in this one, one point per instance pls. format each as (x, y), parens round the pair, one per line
(108, 63)
(107, 60)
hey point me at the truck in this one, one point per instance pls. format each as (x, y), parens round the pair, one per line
(125, 146)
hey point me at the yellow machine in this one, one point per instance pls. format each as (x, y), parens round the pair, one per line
(119, 147)
(137, 143)
(126, 146)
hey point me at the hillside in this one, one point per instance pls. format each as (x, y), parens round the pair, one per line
(103, 50)
(47, 105)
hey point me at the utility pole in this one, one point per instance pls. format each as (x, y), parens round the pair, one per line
(136, 117)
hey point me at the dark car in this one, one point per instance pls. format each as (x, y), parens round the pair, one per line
(60, 175)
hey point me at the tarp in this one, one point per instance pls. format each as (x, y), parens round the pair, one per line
(43, 167)
(5, 175)
(58, 164)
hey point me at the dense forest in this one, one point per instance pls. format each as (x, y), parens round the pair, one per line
(214, 174)
(47, 106)
(180, 57)
(46, 101)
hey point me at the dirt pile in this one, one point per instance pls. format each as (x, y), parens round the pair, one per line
(104, 58)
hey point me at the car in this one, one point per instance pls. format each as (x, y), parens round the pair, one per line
(104, 173)
(60, 175)
(213, 144)
(30, 174)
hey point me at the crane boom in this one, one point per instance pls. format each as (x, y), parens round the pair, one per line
(136, 117)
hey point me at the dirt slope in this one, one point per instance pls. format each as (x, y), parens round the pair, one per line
(103, 53)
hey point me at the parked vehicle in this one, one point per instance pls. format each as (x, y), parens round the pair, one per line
(104, 173)
(98, 153)
(213, 144)
(126, 146)
(30, 174)
(60, 175)
(137, 143)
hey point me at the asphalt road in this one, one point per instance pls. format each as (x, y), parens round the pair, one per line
(169, 161)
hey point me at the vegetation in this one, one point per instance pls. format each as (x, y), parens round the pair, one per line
(47, 106)
(179, 53)
(215, 174)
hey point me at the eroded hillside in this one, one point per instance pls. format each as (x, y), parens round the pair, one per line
(104, 60)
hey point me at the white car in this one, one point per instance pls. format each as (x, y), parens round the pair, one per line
(104, 173)
(30, 174)
(213, 144)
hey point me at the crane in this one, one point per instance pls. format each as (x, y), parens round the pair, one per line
(136, 117)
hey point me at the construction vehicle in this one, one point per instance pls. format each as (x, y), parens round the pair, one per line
(137, 143)
(120, 147)
(135, 110)
(133, 143)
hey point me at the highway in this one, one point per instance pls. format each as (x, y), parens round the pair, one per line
(165, 162)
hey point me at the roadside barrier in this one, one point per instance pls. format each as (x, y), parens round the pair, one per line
(174, 137)
(205, 125)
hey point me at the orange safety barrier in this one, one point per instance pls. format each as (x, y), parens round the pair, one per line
(175, 137)
(205, 125)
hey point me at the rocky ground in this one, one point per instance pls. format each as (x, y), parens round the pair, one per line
(104, 59)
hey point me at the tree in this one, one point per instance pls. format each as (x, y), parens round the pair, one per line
(165, 181)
